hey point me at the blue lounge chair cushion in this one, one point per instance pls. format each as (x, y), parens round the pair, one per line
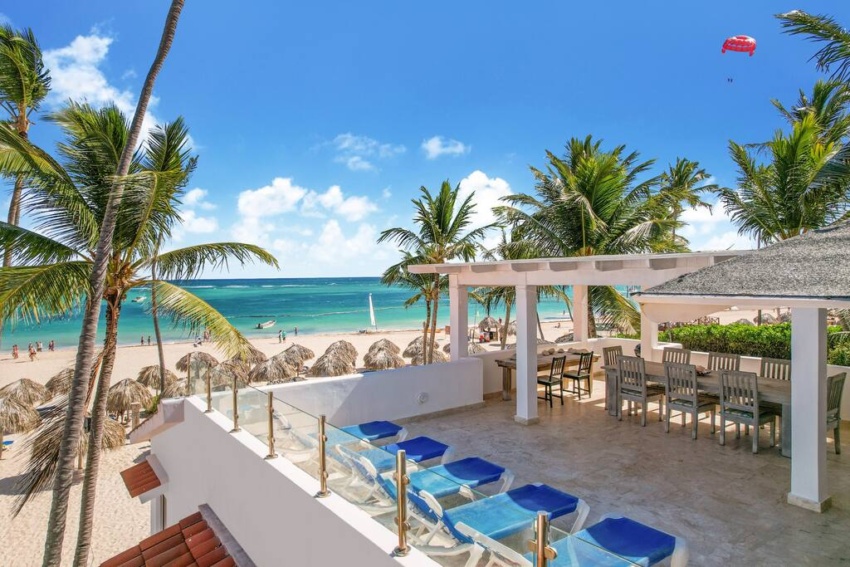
(7, 443)
(632, 540)
(509, 512)
(373, 430)
(573, 552)
(418, 449)
(445, 480)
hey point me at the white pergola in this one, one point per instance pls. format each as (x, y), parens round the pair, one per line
(644, 270)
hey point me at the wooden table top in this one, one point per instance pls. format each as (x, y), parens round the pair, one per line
(545, 360)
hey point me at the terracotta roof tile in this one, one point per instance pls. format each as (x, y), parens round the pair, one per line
(140, 478)
(187, 543)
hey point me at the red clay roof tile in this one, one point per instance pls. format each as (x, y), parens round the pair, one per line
(140, 479)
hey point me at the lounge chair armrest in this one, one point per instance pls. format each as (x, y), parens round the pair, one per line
(582, 510)
(448, 455)
(507, 480)
(496, 548)
(681, 554)
(402, 434)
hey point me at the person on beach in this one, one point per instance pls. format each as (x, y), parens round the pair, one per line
(38, 346)
(32, 353)
(284, 335)
(15, 351)
(51, 346)
(296, 331)
(280, 335)
(143, 340)
(149, 340)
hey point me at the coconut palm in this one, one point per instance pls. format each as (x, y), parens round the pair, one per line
(835, 53)
(442, 234)
(24, 83)
(26, 392)
(682, 184)
(383, 359)
(150, 377)
(15, 417)
(124, 393)
(828, 104)
(592, 202)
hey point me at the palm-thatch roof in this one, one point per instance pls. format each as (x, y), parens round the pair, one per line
(60, 383)
(383, 359)
(343, 348)
(199, 360)
(176, 389)
(419, 358)
(276, 369)
(225, 372)
(415, 347)
(335, 363)
(124, 393)
(253, 356)
(539, 343)
(487, 322)
(16, 417)
(744, 321)
(766, 318)
(567, 338)
(149, 376)
(302, 353)
(26, 392)
(471, 348)
(385, 344)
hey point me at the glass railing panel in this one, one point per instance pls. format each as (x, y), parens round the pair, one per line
(581, 549)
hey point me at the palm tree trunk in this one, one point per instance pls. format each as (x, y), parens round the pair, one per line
(99, 417)
(425, 329)
(539, 325)
(591, 320)
(82, 369)
(156, 331)
(433, 327)
(504, 330)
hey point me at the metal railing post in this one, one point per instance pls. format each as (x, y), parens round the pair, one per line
(401, 482)
(209, 393)
(235, 407)
(543, 554)
(272, 453)
(323, 460)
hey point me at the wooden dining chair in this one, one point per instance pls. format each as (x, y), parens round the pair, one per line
(723, 361)
(609, 356)
(682, 393)
(582, 374)
(676, 355)
(632, 387)
(739, 403)
(554, 377)
(834, 390)
(776, 368)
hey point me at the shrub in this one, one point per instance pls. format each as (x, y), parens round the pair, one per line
(840, 355)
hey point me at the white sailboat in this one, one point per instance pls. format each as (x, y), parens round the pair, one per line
(372, 313)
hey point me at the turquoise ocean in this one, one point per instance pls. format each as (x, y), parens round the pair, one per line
(314, 305)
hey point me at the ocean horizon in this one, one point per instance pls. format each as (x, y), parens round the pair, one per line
(312, 305)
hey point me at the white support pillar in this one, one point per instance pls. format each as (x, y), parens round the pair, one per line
(526, 354)
(808, 409)
(648, 337)
(459, 318)
(580, 302)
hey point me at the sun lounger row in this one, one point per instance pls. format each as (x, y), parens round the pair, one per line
(478, 526)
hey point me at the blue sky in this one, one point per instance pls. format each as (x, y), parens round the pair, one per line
(317, 122)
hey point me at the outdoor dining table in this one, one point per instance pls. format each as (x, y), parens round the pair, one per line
(544, 361)
(770, 390)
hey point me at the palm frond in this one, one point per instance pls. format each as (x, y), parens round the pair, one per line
(835, 53)
(37, 293)
(192, 261)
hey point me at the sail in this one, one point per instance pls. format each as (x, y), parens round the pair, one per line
(372, 313)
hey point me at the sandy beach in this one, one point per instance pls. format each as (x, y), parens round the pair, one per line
(121, 521)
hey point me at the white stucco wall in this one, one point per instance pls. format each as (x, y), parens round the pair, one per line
(391, 394)
(268, 506)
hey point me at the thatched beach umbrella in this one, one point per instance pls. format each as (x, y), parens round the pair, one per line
(539, 343)
(743, 321)
(487, 322)
(124, 393)
(302, 353)
(419, 358)
(343, 348)
(176, 389)
(60, 383)
(201, 360)
(15, 417)
(414, 347)
(253, 356)
(335, 363)
(383, 359)
(276, 369)
(766, 319)
(471, 348)
(45, 443)
(149, 376)
(568, 338)
(385, 344)
(26, 392)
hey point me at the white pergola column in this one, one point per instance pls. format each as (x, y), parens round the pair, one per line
(648, 336)
(808, 409)
(526, 354)
(459, 318)
(580, 302)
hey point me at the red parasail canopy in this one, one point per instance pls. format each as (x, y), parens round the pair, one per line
(741, 43)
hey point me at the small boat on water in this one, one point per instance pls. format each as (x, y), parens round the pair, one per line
(138, 299)
(266, 325)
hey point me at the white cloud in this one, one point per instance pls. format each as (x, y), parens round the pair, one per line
(192, 223)
(5, 20)
(437, 146)
(197, 197)
(712, 231)
(386, 193)
(352, 209)
(353, 151)
(279, 197)
(488, 192)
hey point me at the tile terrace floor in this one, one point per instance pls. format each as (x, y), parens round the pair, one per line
(729, 504)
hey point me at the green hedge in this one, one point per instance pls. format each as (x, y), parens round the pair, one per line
(773, 341)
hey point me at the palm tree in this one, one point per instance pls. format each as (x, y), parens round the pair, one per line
(590, 202)
(682, 184)
(828, 106)
(440, 237)
(24, 82)
(790, 194)
(825, 30)
(53, 263)
(85, 350)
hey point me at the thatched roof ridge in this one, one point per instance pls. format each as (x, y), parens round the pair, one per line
(344, 348)
(276, 369)
(25, 391)
(334, 363)
(385, 344)
(124, 393)
(419, 359)
(383, 359)
(200, 359)
(149, 376)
